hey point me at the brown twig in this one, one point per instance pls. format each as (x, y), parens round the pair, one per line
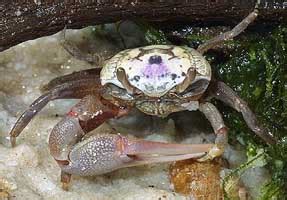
(25, 20)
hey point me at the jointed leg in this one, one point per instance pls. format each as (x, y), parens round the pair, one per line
(230, 34)
(215, 118)
(93, 73)
(221, 91)
(74, 89)
(85, 116)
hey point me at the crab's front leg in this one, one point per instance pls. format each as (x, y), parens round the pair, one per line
(99, 154)
(217, 123)
(85, 116)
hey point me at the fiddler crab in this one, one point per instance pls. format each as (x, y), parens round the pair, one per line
(157, 80)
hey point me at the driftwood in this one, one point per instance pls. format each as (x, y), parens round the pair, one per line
(25, 20)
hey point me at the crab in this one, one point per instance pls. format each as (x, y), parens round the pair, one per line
(157, 80)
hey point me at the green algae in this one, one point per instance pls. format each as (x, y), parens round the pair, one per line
(230, 182)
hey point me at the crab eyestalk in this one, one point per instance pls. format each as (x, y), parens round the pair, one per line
(190, 76)
(122, 77)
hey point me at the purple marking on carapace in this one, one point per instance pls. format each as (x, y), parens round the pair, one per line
(155, 70)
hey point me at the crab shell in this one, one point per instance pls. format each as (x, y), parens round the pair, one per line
(155, 70)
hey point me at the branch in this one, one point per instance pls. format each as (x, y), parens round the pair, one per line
(30, 19)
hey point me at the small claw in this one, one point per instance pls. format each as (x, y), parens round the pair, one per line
(215, 151)
(105, 153)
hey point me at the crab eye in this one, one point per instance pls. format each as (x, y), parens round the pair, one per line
(196, 88)
(122, 77)
(190, 76)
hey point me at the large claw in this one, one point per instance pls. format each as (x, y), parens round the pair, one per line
(105, 153)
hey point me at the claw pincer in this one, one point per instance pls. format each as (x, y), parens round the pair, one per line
(105, 153)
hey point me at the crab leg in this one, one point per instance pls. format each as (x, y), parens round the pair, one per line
(230, 34)
(93, 73)
(85, 116)
(221, 91)
(217, 123)
(74, 86)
